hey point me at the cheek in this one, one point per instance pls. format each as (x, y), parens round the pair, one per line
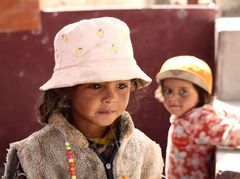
(165, 102)
(195, 100)
(77, 103)
(192, 103)
(81, 101)
(124, 99)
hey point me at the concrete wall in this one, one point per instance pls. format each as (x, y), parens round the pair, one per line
(227, 60)
(26, 62)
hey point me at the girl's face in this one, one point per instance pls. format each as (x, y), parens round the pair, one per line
(179, 96)
(95, 106)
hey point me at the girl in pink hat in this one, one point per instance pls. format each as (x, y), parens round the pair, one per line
(185, 88)
(88, 133)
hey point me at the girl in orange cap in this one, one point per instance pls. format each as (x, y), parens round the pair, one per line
(185, 88)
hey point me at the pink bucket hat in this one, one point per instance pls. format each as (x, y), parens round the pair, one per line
(94, 50)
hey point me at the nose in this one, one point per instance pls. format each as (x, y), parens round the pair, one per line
(173, 97)
(109, 96)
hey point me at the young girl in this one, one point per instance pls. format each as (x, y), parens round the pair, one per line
(185, 88)
(88, 133)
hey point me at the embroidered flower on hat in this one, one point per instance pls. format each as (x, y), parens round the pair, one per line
(64, 37)
(114, 48)
(78, 51)
(100, 33)
(96, 44)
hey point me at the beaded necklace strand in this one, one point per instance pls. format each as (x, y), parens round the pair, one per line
(71, 161)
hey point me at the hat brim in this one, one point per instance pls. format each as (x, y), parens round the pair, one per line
(99, 71)
(183, 75)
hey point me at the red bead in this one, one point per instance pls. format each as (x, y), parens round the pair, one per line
(70, 160)
(72, 173)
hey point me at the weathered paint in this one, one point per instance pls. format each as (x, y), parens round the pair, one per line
(19, 15)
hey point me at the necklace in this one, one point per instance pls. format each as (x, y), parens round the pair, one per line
(71, 161)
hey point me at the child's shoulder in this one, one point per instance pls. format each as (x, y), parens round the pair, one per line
(146, 144)
(37, 138)
(141, 135)
(141, 138)
(32, 149)
(130, 132)
(206, 109)
(203, 112)
(219, 108)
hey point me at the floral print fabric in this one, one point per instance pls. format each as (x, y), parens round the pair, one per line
(191, 140)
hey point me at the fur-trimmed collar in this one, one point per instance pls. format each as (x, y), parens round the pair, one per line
(76, 137)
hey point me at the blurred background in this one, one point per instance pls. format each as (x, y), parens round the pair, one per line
(160, 29)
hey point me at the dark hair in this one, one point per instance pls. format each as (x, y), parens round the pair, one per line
(54, 101)
(58, 101)
(135, 97)
(204, 96)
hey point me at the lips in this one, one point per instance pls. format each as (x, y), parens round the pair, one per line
(106, 112)
(174, 109)
(174, 106)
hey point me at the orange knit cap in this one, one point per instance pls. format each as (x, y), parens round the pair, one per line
(187, 68)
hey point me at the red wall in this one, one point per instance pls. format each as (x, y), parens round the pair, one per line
(26, 62)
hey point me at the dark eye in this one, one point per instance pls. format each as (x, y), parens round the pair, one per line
(122, 85)
(183, 92)
(95, 85)
(166, 91)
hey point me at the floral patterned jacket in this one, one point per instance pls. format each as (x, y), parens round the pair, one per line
(192, 138)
